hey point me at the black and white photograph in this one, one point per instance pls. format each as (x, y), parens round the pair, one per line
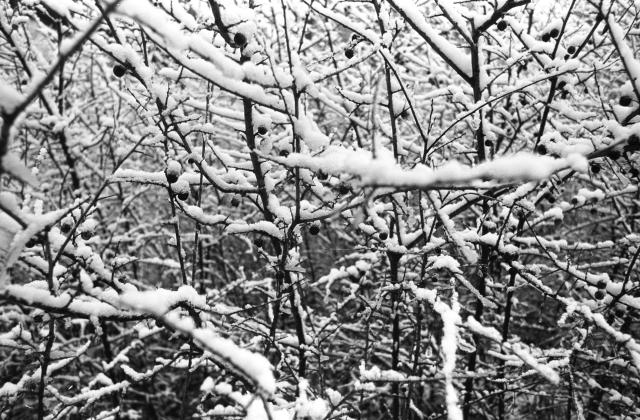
(319, 209)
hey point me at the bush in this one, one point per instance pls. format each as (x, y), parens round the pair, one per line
(322, 210)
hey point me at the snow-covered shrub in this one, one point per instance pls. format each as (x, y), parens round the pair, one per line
(319, 209)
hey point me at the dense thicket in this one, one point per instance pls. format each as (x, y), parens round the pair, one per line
(319, 209)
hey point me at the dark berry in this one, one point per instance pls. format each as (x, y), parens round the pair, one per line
(239, 39)
(348, 53)
(31, 243)
(488, 143)
(625, 100)
(574, 201)
(633, 143)
(383, 236)
(172, 171)
(502, 25)
(119, 70)
(259, 242)
(314, 229)
(595, 167)
(85, 235)
(322, 176)
(550, 198)
(235, 202)
(262, 130)
(343, 189)
(602, 284)
(171, 177)
(561, 84)
(511, 256)
(571, 49)
(554, 33)
(65, 228)
(284, 153)
(183, 196)
(599, 295)
(546, 38)
(542, 149)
